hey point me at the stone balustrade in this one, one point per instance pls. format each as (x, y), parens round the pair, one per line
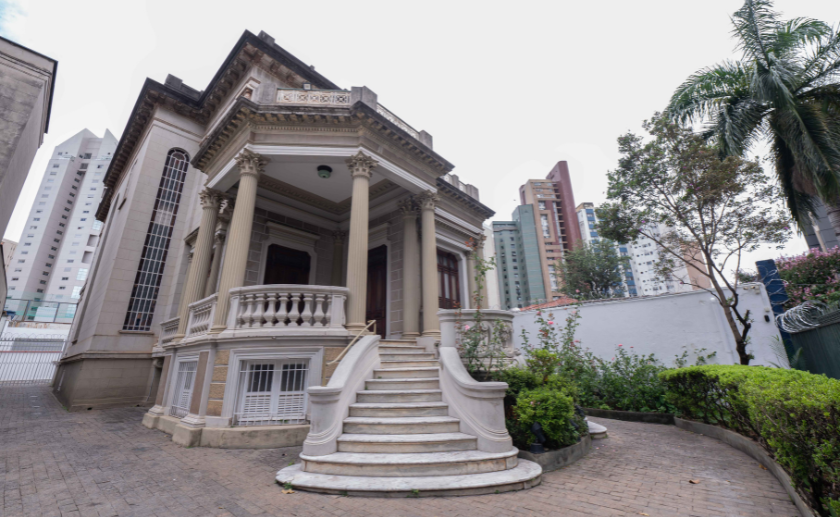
(201, 316)
(287, 306)
(168, 329)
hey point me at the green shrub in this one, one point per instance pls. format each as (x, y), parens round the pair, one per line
(795, 415)
(554, 409)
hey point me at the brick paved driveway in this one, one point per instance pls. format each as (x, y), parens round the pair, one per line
(103, 463)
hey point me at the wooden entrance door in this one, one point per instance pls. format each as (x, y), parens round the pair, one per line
(286, 266)
(449, 287)
(377, 288)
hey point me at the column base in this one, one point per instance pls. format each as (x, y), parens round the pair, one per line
(217, 330)
(410, 335)
(354, 328)
(177, 338)
(151, 420)
(188, 431)
(431, 333)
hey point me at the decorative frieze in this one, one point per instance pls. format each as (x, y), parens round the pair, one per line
(313, 97)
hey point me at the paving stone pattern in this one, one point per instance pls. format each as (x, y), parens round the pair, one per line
(103, 463)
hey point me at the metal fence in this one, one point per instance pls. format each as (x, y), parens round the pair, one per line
(814, 330)
(29, 359)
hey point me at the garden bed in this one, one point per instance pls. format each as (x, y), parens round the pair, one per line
(554, 460)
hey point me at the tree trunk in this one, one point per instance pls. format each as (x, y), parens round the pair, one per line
(833, 210)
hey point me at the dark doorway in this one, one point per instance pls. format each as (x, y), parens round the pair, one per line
(450, 284)
(377, 288)
(286, 266)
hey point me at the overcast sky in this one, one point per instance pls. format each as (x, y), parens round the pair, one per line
(506, 89)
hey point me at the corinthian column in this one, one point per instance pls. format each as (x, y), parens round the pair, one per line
(428, 252)
(338, 256)
(239, 239)
(411, 270)
(197, 275)
(360, 167)
(221, 232)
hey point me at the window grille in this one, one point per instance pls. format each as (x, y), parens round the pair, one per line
(272, 392)
(141, 307)
(184, 383)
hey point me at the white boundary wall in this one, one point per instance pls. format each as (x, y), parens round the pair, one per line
(666, 326)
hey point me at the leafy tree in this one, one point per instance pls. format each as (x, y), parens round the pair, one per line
(784, 90)
(716, 207)
(592, 270)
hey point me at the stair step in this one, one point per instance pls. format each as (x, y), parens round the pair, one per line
(410, 364)
(417, 383)
(525, 475)
(406, 356)
(405, 373)
(383, 409)
(397, 341)
(402, 425)
(404, 443)
(402, 348)
(397, 396)
(410, 464)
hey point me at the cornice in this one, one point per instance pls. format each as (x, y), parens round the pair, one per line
(464, 199)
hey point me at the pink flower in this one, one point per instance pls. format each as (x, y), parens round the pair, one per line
(620, 345)
(551, 323)
(577, 290)
(466, 327)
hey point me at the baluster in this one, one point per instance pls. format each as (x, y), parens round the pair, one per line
(328, 302)
(252, 307)
(294, 313)
(282, 309)
(306, 315)
(319, 311)
(244, 318)
(259, 305)
(270, 310)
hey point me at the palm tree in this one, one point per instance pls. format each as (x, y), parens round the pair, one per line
(784, 91)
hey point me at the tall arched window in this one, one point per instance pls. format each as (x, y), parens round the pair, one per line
(144, 296)
(449, 294)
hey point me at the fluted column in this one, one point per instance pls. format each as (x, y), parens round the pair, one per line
(338, 257)
(360, 167)
(428, 253)
(221, 233)
(471, 283)
(485, 303)
(411, 270)
(239, 235)
(197, 275)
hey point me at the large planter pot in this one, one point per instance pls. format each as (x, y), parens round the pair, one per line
(631, 416)
(553, 460)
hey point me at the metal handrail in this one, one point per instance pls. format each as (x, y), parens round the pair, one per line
(343, 352)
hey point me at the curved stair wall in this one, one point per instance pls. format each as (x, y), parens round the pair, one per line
(330, 405)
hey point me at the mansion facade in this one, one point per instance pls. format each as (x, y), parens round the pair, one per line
(261, 224)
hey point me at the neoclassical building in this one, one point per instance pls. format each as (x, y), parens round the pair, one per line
(252, 232)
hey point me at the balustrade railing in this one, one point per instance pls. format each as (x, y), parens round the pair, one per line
(287, 306)
(168, 329)
(314, 97)
(201, 315)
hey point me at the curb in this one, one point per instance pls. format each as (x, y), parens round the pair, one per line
(554, 460)
(631, 416)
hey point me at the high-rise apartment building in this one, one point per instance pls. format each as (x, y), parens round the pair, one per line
(641, 278)
(53, 257)
(518, 264)
(553, 203)
(588, 224)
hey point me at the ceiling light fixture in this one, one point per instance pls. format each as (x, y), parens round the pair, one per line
(324, 171)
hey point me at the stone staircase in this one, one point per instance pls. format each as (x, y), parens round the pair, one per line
(399, 440)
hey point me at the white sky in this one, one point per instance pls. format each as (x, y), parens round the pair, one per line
(506, 90)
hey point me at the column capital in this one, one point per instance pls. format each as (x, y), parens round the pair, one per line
(219, 236)
(479, 241)
(250, 162)
(339, 236)
(226, 211)
(210, 198)
(408, 207)
(427, 200)
(360, 164)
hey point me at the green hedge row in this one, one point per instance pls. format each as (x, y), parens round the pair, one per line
(795, 415)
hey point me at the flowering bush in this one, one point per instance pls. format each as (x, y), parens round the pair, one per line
(811, 276)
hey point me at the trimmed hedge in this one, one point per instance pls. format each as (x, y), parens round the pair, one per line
(795, 415)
